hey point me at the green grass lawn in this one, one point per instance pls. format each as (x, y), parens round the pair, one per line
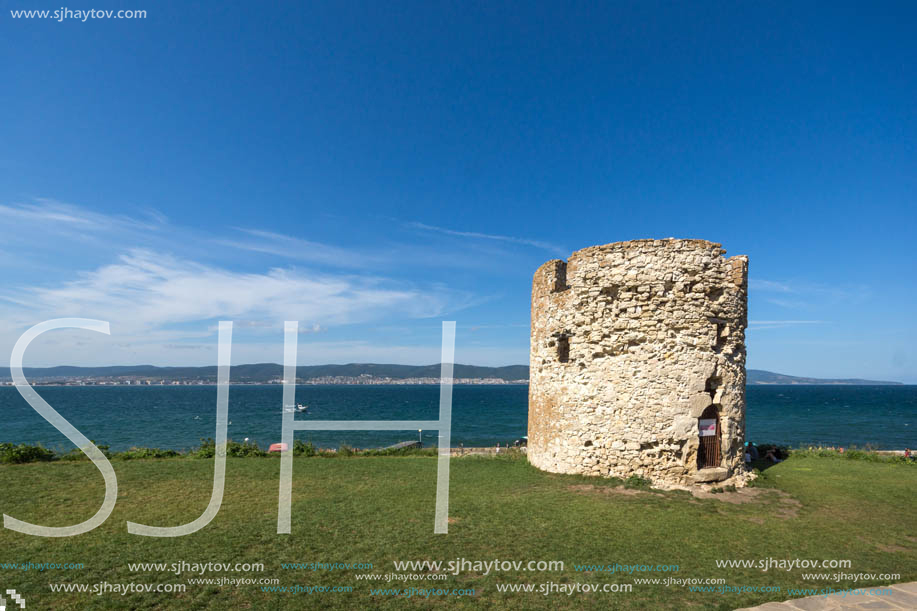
(380, 509)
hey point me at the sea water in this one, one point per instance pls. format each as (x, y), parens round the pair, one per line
(177, 417)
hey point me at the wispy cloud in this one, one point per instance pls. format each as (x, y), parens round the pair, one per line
(769, 285)
(315, 328)
(296, 249)
(808, 295)
(185, 347)
(487, 236)
(380, 256)
(792, 304)
(506, 326)
(54, 214)
(52, 237)
(776, 324)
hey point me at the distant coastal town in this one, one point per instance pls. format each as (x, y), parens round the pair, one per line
(361, 380)
(353, 374)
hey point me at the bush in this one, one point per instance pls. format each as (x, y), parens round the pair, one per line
(77, 454)
(135, 453)
(637, 482)
(401, 452)
(301, 448)
(22, 453)
(851, 453)
(207, 449)
(234, 448)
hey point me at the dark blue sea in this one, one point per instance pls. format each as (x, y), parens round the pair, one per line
(883, 417)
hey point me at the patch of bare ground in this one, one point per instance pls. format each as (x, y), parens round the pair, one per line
(891, 549)
(616, 490)
(782, 504)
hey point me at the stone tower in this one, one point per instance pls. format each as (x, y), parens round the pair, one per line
(638, 362)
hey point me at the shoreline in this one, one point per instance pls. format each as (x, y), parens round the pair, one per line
(459, 382)
(455, 382)
(456, 451)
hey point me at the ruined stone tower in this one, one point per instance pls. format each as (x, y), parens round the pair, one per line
(638, 362)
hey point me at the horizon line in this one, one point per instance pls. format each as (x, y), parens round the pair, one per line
(828, 379)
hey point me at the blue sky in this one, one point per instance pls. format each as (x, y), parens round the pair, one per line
(372, 169)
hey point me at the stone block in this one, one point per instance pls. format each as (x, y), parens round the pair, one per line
(699, 403)
(714, 474)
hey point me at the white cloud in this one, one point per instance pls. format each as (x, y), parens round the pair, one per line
(146, 290)
(163, 287)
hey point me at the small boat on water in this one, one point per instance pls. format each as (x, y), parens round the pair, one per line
(298, 409)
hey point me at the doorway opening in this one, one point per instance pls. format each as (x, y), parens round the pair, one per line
(708, 425)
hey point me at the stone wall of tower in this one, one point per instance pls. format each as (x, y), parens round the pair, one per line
(630, 343)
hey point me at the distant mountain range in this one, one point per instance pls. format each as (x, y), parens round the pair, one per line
(265, 372)
(760, 377)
